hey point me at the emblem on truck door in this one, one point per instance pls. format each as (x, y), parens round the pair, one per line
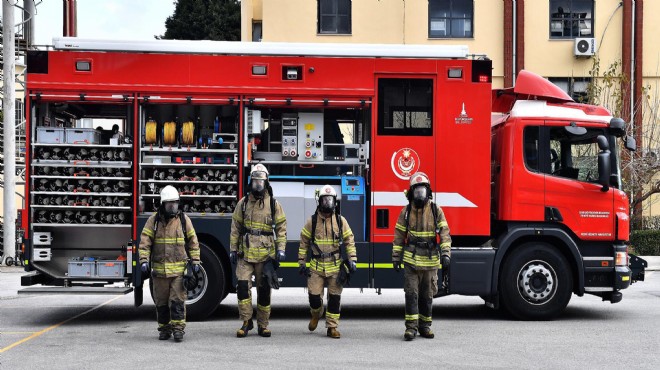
(405, 162)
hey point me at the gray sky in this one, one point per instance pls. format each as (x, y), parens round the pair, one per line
(109, 19)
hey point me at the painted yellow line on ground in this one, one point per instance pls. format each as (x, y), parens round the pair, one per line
(39, 333)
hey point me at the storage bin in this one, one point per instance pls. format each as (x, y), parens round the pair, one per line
(82, 136)
(110, 268)
(78, 268)
(42, 254)
(50, 135)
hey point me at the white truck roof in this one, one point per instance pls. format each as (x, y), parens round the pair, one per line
(263, 48)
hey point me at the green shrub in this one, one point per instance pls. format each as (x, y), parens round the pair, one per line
(645, 242)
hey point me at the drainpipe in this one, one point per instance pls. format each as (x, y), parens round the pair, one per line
(519, 56)
(509, 21)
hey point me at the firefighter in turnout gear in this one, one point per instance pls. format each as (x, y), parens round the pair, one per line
(258, 237)
(163, 250)
(416, 244)
(323, 237)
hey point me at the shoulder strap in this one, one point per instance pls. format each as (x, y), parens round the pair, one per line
(407, 218)
(272, 212)
(341, 229)
(156, 222)
(434, 210)
(313, 231)
(182, 219)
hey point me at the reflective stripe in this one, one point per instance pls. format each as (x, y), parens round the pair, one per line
(236, 217)
(413, 317)
(148, 232)
(328, 267)
(398, 226)
(177, 241)
(421, 261)
(306, 232)
(280, 220)
(245, 301)
(446, 244)
(347, 233)
(422, 234)
(425, 318)
(397, 248)
(169, 268)
(263, 308)
(190, 233)
(332, 315)
(257, 225)
(177, 321)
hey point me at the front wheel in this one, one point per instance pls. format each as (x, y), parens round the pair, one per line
(536, 282)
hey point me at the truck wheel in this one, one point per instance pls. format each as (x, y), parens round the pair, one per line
(210, 290)
(211, 286)
(536, 282)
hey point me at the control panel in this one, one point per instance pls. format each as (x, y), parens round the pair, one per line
(310, 136)
(290, 136)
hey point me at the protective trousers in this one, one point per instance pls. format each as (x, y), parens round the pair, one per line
(170, 298)
(315, 285)
(244, 272)
(419, 286)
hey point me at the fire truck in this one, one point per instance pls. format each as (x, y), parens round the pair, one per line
(529, 180)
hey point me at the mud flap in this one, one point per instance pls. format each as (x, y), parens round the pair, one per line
(637, 266)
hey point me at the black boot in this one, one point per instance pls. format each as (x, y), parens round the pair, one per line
(178, 335)
(164, 335)
(243, 331)
(410, 334)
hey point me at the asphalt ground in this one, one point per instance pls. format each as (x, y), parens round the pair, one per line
(107, 332)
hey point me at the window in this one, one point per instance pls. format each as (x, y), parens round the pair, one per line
(256, 31)
(405, 106)
(531, 148)
(451, 18)
(576, 87)
(334, 17)
(572, 156)
(571, 18)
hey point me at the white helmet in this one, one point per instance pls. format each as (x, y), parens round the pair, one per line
(419, 178)
(327, 199)
(327, 190)
(259, 172)
(169, 194)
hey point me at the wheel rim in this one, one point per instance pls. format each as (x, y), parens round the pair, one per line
(202, 285)
(537, 282)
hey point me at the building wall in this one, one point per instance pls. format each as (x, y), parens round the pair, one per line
(406, 22)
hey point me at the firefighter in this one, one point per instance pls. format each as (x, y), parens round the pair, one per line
(258, 235)
(416, 244)
(163, 248)
(323, 236)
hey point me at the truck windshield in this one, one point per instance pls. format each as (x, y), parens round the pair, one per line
(576, 156)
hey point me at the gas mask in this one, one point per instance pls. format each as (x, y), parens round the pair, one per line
(327, 204)
(171, 209)
(420, 196)
(258, 187)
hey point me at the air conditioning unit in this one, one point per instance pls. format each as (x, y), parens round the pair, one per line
(584, 47)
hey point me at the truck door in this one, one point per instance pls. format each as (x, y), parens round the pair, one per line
(403, 143)
(573, 195)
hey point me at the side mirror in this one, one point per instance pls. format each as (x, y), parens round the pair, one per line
(604, 163)
(631, 143)
(617, 127)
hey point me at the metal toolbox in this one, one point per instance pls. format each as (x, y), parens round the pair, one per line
(110, 268)
(42, 238)
(82, 136)
(82, 268)
(50, 135)
(42, 254)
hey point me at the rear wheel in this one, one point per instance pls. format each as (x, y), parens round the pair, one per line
(210, 289)
(536, 282)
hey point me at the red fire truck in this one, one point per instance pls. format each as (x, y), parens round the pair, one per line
(529, 180)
